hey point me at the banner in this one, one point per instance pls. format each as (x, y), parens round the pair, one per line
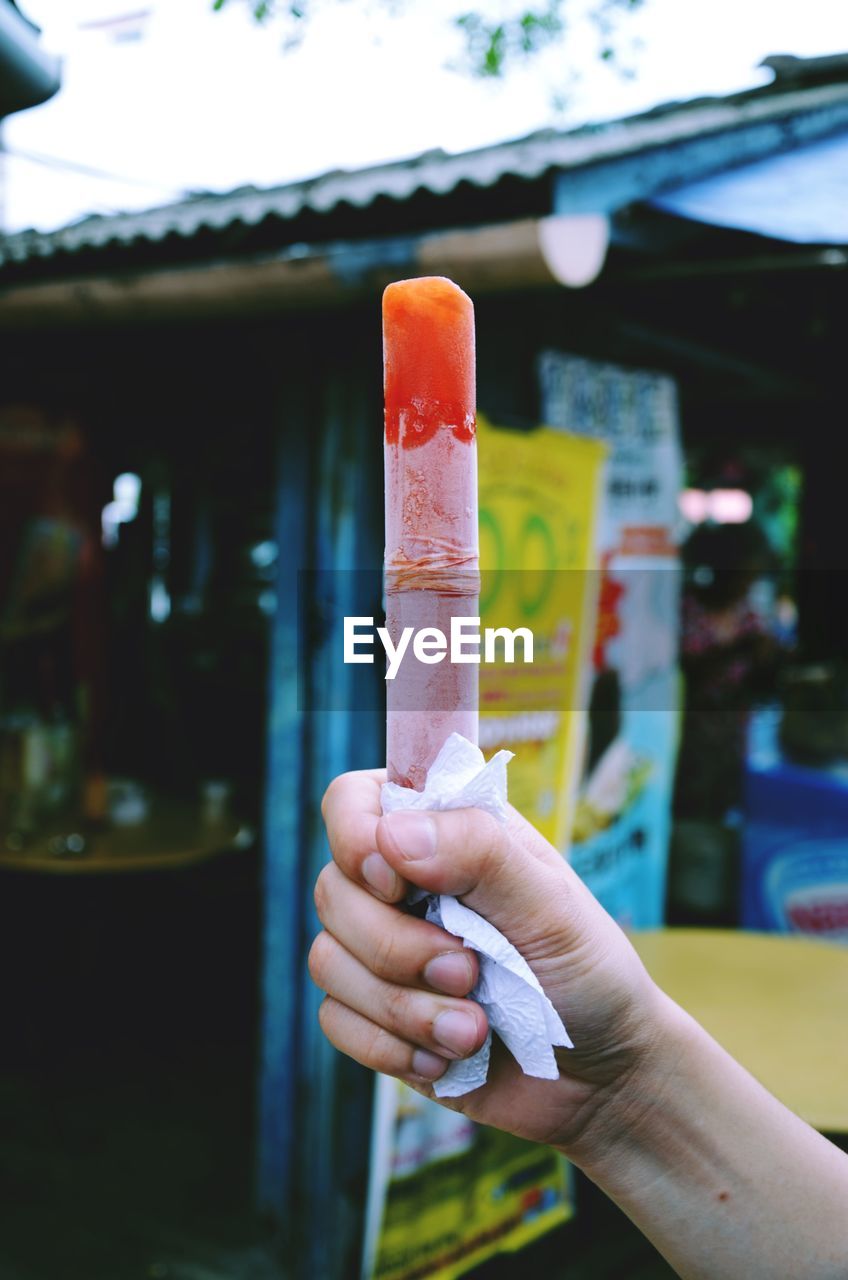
(539, 499)
(620, 833)
(444, 1193)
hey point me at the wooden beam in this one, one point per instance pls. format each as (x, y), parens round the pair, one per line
(530, 252)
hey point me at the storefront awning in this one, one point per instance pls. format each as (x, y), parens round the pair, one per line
(800, 195)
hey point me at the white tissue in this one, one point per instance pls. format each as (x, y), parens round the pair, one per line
(507, 989)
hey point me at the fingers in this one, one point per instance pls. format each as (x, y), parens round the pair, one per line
(360, 788)
(506, 872)
(496, 871)
(450, 1028)
(351, 809)
(377, 1048)
(394, 946)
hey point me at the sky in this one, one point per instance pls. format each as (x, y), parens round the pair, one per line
(212, 101)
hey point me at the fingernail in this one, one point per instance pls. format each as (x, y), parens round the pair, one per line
(450, 973)
(414, 834)
(428, 1065)
(455, 1030)
(379, 876)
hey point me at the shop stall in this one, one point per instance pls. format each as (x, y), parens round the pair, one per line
(212, 372)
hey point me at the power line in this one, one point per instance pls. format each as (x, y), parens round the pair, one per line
(87, 171)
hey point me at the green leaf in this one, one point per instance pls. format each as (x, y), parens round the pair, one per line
(491, 48)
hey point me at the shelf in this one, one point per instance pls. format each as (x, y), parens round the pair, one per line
(173, 837)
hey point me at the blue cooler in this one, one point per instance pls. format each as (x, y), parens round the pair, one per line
(795, 842)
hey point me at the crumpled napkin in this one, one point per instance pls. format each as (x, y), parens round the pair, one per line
(515, 1004)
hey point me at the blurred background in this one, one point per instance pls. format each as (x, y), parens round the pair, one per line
(200, 204)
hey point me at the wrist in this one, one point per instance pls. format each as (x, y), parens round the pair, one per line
(628, 1119)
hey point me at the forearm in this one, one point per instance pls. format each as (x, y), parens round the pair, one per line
(722, 1178)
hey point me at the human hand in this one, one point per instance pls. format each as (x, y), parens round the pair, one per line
(397, 985)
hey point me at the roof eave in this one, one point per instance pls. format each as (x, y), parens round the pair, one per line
(550, 252)
(28, 74)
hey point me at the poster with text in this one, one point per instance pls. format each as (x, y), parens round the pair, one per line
(539, 501)
(620, 832)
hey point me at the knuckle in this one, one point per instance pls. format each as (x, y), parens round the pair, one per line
(326, 1016)
(398, 1013)
(332, 794)
(378, 1050)
(486, 838)
(323, 890)
(319, 958)
(346, 849)
(384, 960)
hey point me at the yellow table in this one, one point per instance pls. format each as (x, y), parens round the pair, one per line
(778, 1004)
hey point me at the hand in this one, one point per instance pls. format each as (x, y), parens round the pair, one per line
(397, 985)
(723, 1179)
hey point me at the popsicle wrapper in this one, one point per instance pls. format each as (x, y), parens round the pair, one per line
(515, 1004)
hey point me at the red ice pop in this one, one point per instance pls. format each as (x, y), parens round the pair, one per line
(431, 558)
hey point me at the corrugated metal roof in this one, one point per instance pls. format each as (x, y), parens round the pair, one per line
(436, 172)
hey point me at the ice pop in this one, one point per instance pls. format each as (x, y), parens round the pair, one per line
(431, 557)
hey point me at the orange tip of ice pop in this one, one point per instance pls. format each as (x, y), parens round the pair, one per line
(428, 360)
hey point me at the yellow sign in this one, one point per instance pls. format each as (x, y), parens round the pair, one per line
(458, 1193)
(539, 495)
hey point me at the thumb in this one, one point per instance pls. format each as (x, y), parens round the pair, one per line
(468, 853)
